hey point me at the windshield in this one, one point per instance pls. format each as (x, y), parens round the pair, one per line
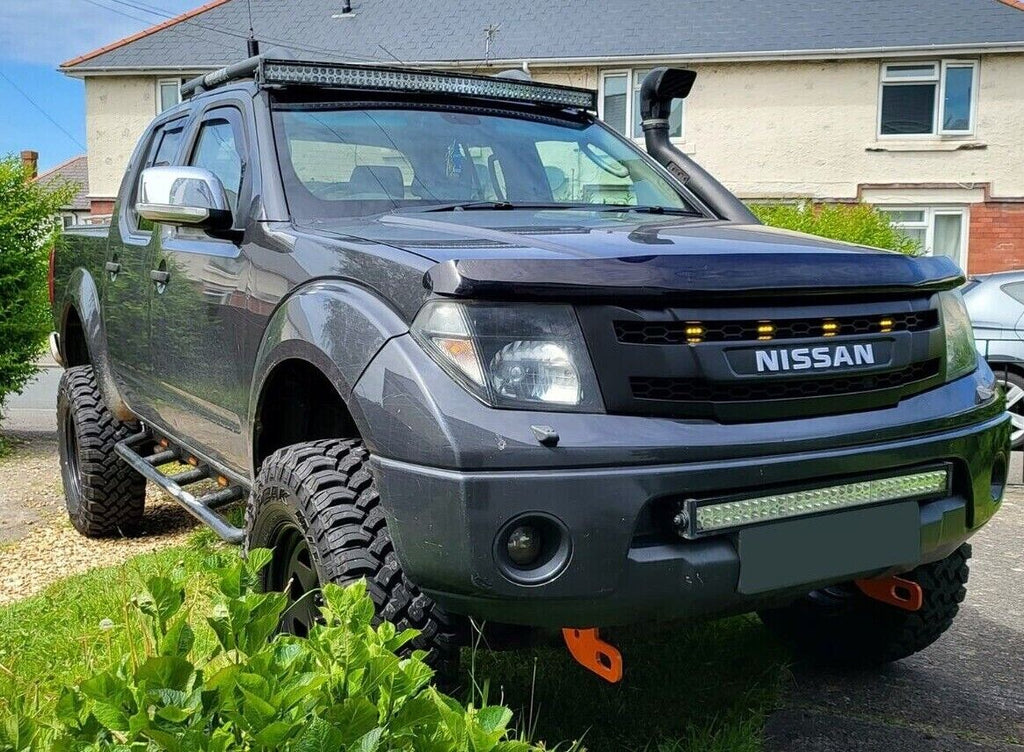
(349, 162)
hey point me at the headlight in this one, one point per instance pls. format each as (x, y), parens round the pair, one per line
(961, 356)
(512, 355)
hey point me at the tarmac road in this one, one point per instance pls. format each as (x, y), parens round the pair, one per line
(965, 692)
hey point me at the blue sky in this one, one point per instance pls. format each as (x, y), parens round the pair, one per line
(35, 37)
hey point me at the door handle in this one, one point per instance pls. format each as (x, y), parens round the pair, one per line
(160, 276)
(112, 268)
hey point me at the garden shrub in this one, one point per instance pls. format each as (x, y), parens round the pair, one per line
(28, 229)
(862, 224)
(343, 688)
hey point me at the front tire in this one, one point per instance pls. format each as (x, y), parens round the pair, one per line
(841, 625)
(104, 496)
(317, 506)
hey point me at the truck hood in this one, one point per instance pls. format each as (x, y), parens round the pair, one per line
(559, 254)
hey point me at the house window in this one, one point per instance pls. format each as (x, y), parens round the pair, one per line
(620, 104)
(927, 99)
(168, 92)
(938, 231)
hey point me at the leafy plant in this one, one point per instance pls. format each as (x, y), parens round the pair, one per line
(344, 688)
(27, 232)
(862, 224)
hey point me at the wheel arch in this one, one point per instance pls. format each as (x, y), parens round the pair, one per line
(316, 345)
(83, 335)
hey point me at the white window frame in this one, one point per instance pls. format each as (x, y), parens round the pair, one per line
(159, 86)
(927, 223)
(939, 79)
(631, 84)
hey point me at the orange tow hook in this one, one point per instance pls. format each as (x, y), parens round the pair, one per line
(895, 591)
(593, 653)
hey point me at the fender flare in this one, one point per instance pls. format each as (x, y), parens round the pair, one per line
(336, 326)
(83, 296)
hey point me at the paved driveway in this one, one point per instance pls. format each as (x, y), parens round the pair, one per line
(966, 692)
(34, 410)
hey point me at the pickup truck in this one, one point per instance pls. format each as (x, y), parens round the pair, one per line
(452, 334)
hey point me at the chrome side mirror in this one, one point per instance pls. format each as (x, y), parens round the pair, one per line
(183, 196)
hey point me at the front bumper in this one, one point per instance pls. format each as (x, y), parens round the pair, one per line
(445, 524)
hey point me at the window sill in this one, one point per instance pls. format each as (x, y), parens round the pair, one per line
(925, 145)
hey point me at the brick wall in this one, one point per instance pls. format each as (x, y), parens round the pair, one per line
(101, 206)
(996, 239)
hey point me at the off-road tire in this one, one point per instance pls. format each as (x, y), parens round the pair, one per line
(104, 496)
(842, 626)
(324, 489)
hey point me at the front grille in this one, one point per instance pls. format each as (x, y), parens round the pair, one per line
(690, 332)
(699, 390)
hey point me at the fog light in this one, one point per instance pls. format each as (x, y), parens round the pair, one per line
(524, 545)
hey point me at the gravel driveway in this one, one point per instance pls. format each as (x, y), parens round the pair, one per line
(38, 544)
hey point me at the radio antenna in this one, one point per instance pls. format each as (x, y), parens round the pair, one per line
(252, 45)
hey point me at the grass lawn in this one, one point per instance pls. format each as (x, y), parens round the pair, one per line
(692, 687)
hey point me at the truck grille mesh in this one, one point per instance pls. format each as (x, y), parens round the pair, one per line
(682, 332)
(699, 390)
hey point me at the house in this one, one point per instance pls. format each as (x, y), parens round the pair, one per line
(75, 170)
(915, 106)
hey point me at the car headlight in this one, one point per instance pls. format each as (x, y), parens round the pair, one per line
(526, 356)
(961, 355)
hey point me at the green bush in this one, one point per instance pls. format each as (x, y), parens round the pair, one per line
(342, 689)
(854, 223)
(27, 232)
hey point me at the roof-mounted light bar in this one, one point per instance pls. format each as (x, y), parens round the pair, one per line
(367, 78)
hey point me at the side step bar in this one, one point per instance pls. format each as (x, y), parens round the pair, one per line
(201, 507)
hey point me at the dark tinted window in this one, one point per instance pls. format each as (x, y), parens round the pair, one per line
(218, 148)
(163, 147)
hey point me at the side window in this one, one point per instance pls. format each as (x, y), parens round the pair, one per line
(162, 149)
(218, 148)
(1016, 291)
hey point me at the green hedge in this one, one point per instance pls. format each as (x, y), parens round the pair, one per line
(28, 229)
(854, 223)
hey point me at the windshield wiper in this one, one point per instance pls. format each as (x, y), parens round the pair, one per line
(485, 206)
(509, 206)
(648, 210)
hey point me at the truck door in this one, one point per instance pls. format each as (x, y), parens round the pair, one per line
(198, 311)
(125, 281)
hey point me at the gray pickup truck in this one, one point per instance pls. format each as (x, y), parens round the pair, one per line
(452, 334)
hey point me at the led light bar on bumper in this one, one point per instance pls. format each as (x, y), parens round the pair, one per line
(343, 76)
(701, 517)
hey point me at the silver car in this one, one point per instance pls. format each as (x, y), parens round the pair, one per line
(996, 305)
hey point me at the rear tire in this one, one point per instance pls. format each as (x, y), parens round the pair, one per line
(317, 506)
(104, 496)
(841, 625)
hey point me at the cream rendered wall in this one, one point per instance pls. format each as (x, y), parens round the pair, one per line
(117, 111)
(764, 129)
(809, 129)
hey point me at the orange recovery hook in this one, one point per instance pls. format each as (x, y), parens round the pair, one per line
(895, 591)
(593, 653)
